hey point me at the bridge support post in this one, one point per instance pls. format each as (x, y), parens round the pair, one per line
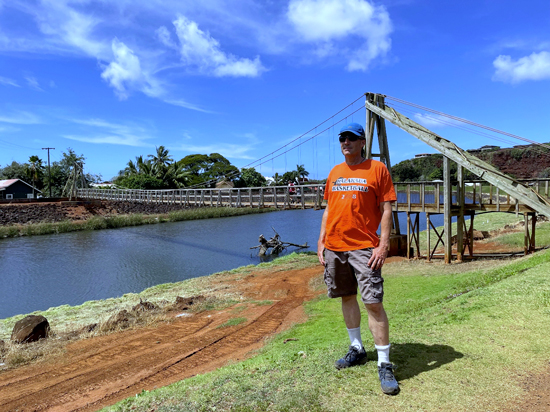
(460, 197)
(261, 202)
(374, 119)
(317, 198)
(529, 237)
(428, 245)
(447, 202)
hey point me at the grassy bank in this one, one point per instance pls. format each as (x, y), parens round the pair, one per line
(463, 336)
(64, 319)
(496, 224)
(117, 221)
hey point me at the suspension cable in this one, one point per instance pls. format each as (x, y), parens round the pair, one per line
(459, 119)
(271, 156)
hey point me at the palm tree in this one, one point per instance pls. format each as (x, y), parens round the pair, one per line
(301, 171)
(161, 159)
(177, 176)
(36, 169)
(130, 168)
(277, 180)
(144, 167)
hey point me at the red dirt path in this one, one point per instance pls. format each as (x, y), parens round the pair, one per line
(101, 371)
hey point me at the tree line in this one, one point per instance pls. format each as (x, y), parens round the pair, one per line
(153, 171)
(36, 173)
(160, 171)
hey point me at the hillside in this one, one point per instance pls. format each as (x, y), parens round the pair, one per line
(522, 162)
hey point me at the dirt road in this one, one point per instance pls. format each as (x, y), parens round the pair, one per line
(100, 371)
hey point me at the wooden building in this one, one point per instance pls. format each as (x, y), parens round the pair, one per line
(17, 189)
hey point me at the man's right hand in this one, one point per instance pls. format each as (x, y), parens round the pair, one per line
(321, 252)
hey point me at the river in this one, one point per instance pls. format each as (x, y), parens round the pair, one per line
(40, 272)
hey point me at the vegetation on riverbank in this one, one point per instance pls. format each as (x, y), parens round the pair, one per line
(117, 221)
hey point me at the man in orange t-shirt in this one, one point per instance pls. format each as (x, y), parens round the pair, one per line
(359, 193)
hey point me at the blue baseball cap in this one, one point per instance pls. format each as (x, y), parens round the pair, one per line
(354, 128)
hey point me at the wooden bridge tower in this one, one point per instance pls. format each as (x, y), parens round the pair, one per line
(377, 111)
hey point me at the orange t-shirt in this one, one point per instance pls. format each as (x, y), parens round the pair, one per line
(354, 194)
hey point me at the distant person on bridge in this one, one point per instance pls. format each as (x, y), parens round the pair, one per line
(359, 193)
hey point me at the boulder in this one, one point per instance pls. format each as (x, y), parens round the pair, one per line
(120, 320)
(30, 329)
(186, 303)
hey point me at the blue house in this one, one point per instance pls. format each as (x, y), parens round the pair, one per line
(17, 189)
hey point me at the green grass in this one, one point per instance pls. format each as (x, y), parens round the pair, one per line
(483, 222)
(233, 322)
(462, 341)
(542, 238)
(117, 221)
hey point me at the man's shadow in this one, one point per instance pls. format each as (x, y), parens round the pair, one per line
(412, 359)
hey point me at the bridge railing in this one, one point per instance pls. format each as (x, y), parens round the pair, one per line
(427, 196)
(423, 196)
(299, 196)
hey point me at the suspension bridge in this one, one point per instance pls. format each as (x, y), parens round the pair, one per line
(493, 192)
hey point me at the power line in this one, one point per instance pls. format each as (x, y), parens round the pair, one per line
(18, 145)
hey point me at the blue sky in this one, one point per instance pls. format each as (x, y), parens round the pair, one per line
(114, 79)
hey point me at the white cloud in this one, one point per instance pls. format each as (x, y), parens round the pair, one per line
(186, 105)
(102, 132)
(68, 27)
(333, 24)
(9, 129)
(8, 82)
(533, 67)
(125, 72)
(163, 35)
(33, 83)
(198, 49)
(20, 117)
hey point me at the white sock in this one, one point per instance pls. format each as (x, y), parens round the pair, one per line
(383, 353)
(355, 337)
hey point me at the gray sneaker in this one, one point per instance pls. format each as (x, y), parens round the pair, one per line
(387, 380)
(354, 357)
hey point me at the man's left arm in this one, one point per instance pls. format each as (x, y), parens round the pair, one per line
(380, 253)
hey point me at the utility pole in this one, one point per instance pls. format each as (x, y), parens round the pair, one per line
(49, 170)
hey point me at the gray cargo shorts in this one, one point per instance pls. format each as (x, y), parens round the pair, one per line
(345, 271)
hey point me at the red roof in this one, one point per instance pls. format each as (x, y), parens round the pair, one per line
(7, 183)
